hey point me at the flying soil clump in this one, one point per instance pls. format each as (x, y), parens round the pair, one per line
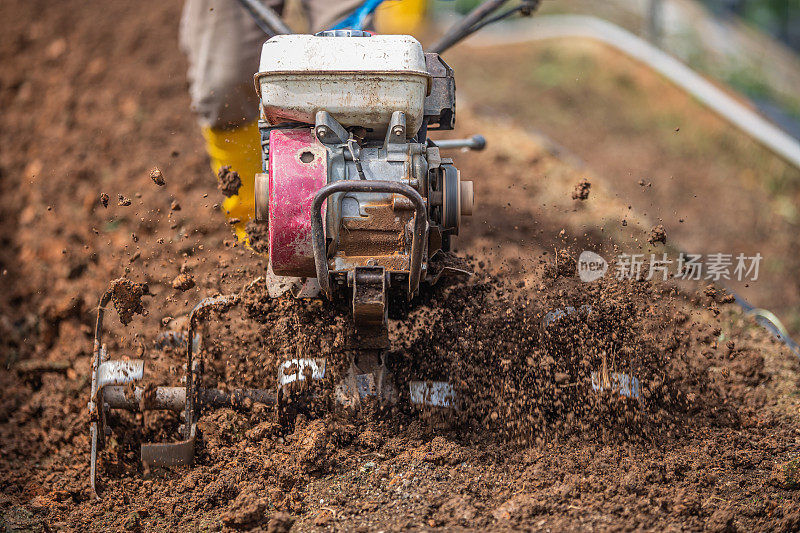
(127, 298)
(183, 282)
(657, 234)
(581, 190)
(258, 233)
(228, 181)
(157, 177)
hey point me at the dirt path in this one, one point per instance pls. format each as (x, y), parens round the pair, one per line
(89, 105)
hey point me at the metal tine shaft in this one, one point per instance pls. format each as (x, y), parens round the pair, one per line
(174, 398)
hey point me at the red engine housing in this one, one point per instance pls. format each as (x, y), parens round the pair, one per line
(298, 168)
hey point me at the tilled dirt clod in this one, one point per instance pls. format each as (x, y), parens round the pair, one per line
(258, 233)
(657, 234)
(247, 511)
(581, 190)
(228, 181)
(787, 475)
(157, 177)
(183, 282)
(126, 296)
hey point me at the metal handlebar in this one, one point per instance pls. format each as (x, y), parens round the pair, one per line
(369, 186)
(266, 18)
(476, 142)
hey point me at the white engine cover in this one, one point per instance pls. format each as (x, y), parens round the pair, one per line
(361, 81)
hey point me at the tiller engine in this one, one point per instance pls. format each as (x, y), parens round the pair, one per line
(356, 198)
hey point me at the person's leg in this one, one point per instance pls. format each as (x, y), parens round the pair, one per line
(223, 45)
(240, 149)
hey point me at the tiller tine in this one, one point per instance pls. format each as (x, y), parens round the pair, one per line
(432, 394)
(111, 389)
(299, 386)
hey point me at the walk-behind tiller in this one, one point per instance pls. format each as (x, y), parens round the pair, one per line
(358, 200)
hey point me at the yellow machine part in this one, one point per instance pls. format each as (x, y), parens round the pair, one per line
(400, 16)
(241, 149)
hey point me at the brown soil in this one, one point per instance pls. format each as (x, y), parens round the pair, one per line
(714, 189)
(157, 177)
(657, 234)
(126, 295)
(228, 181)
(708, 444)
(581, 191)
(183, 282)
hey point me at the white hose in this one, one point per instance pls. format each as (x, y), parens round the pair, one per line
(582, 26)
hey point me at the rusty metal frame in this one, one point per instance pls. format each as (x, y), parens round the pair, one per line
(97, 416)
(369, 186)
(266, 18)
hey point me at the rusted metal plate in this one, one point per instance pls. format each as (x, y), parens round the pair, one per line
(369, 298)
(379, 238)
(297, 170)
(170, 454)
(419, 231)
(392, 263)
